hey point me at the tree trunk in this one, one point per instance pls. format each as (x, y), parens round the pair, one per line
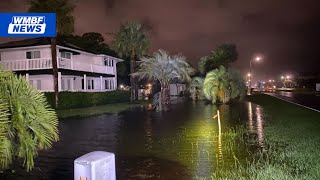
(55, 71)
(132, 79)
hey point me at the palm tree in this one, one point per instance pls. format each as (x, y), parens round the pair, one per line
(65, 26)
(196, 88)
(28, 124)
(164, 68)
(222, 85)
(131, 41)
(216, 85)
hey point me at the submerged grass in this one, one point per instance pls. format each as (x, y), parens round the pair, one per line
(97, 110)
(292, 141)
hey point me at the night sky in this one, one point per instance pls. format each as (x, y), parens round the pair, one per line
(284, 32)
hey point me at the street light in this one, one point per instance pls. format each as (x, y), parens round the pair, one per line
(250, 74)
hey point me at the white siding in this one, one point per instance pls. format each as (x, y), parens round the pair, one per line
(19, 54)
(46, 81)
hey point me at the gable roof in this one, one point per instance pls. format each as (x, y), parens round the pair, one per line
(38, 42)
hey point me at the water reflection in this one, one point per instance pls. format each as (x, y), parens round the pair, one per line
(255, 122)
(183, 143)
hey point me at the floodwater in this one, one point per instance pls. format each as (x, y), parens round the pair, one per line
(183, 143)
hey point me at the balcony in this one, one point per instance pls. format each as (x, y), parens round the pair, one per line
(46, 63)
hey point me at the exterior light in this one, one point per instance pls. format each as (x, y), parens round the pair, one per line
(282, 77)
(249, 75)
(121, 86)
(270, 80)
(258, 58)
(288, 77)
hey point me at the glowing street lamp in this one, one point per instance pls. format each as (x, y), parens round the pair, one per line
(257, 59)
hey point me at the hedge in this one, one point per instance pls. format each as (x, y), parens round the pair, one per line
(70, 100)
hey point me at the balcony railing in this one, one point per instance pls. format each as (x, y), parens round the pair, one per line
(46, 63)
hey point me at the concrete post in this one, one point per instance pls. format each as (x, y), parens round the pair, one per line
(59, 81)
(27, 77)
(101, 83)
(97, 165)
(85, 82)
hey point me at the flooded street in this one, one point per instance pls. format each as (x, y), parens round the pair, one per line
(184, 143)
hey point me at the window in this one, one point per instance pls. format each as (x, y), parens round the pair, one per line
(112, 63)
(66, 55)
(89, 84)
(39, 84)
(82, 83)
(62, 85)
(31, 83)
(92, 85)
(110, 85)
(32, 54)
(106, 83)
(69, 84)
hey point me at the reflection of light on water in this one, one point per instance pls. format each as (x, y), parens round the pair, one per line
(250, 117)
(219, 139)
(255, 116)
(259, 125)
(148, 134)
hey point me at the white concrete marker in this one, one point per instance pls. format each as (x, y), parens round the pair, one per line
(97, 165)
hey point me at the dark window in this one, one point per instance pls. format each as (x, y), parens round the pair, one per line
(92, 83)
(32, 54)
(66, 55)
(89, 84)
(82, 83)
(112, 63)
(106, 82)
(28, 55)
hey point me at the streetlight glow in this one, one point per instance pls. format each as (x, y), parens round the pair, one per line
(258, 58)
(249, 75)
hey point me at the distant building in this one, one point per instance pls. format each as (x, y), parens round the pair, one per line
(78, 69)
(177, 88)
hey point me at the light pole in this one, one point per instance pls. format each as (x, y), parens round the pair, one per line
(250, 73)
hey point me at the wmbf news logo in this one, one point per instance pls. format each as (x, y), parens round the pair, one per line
(28, 24)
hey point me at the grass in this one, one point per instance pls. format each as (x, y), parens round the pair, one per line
(97, 110)
(292, 138)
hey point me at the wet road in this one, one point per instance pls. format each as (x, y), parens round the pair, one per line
(311, 101)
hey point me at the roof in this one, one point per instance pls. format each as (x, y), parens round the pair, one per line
(38, 42)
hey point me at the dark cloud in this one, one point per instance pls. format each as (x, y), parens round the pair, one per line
(285, 32)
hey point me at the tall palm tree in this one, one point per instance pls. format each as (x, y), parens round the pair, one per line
(196, 86)
(131, 41)
(65, 25)
(165, 69)
(28, 124)
(223, 85)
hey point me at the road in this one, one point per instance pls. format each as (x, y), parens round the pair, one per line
(312, 101)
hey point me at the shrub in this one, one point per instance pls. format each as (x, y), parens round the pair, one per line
(69, 100)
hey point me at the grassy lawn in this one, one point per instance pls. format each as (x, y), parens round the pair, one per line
(96, 110)
(292, 135)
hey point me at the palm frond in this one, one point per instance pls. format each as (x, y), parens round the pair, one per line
(32, 126)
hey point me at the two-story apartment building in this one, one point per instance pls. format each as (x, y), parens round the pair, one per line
(78, 69)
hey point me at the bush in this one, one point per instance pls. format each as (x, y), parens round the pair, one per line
(69, 100)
